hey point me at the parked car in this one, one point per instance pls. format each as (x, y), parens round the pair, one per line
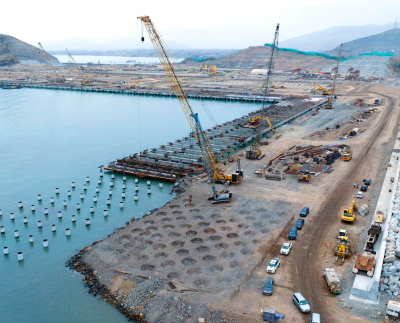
(315, 318)
(360, 195)
(269, 286)
(292, 233)
(273, 265)
(305, 211)
(286, 248)
(299, 224)
(367, 181)
(301, 303)
(364, 188)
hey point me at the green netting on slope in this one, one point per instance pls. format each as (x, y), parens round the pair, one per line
(328, 56)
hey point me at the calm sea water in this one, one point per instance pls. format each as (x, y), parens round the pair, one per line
(49, 139)
(84, 59)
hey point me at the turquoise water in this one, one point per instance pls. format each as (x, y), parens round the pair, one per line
(49, 139)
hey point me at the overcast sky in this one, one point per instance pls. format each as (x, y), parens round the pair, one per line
(194, 24)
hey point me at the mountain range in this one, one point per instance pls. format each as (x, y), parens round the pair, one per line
(330, 38)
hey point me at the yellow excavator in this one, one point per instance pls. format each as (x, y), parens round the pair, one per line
(348, 214)
(133, 86)
(256, 121)
(320, 88)
(215, 173)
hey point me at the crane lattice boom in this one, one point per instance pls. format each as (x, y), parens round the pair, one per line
(58, 79)
(162, 51)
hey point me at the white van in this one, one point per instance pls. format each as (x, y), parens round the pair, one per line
(315, 318)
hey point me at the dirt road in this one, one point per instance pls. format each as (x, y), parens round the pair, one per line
(309, 274)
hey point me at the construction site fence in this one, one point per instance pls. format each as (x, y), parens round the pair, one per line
(327, 56)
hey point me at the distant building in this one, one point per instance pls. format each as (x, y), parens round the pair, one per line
(259, 72)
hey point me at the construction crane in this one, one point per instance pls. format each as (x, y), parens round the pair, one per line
(271, 64)
(319, 87)
(329, 105)
(254, 151)
(213, 170)
(58, 78)
(84, 81)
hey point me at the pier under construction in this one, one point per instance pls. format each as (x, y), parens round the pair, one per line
(175, 160)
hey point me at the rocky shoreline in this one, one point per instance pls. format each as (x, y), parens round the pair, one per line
(96, 288)
(149, 298)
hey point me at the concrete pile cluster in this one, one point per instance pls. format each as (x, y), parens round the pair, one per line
(390, 278)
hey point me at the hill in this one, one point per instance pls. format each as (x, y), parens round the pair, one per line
(327, 39)
(387, 42)
(14, 51)
(257, 57)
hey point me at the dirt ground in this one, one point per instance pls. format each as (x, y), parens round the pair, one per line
(221, 251)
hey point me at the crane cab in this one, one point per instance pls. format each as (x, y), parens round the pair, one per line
(237, 177)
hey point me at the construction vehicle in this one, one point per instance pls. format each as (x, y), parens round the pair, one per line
(349, 214)
(305, 177)
(342, 248)
(348, 155)
(271, 315)
(329, 105)
(342, 233)
(58, 78)
(333, 281)
(364, 264)
(271, 65)
(256, 122)
(254, 151)
(214, 172)
(320, 88)
(373, 235)
(84, 81)
(221, 196)
(133, 86)
(379, 216)
(213, 69)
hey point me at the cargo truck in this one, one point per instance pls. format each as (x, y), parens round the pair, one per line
(332, 280)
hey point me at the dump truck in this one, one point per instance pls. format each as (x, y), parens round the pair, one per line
(373, 235)
(347, 156)
(365, 264)
(333, 281)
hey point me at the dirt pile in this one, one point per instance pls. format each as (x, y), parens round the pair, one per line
(14, 51)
